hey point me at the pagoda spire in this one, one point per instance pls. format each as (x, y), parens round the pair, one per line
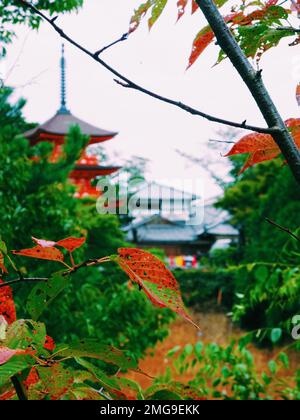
(63, 102)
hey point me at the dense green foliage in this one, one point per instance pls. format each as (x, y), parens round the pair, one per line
(37, 199)
(264, 266)
(229, 373)
(265, 191)
(12, 13)
(203, 286)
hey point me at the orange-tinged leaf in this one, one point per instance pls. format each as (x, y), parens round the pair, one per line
(260, 156)
(206, 36)
(70, 244)
(252, 143)
(195, 7)
(51, 254)
(154, 278)
(202, 40)
(181, 6)
(138, 15)
(262, 147)
(6, 354)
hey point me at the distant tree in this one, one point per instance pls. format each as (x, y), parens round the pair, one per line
(11, 14)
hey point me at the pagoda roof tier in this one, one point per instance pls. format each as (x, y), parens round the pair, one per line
(91, 172)
(58, 127)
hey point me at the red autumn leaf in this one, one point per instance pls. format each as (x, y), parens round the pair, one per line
(206, 36)
(8, 395)
(44, 243)
(70, 244)
(195, 7)
(154, 278)
(202, 40)
(51, 254)
(6, 354)
(181, 5)
(49, 343)
(7, 305)
(32, 378)
(262, 147)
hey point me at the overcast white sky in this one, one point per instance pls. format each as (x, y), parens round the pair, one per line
(156, 60)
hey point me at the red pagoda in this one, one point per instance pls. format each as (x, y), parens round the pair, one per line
(55, 131)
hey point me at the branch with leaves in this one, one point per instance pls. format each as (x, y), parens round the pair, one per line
(253, 80)
(142, 268)
(33, 364)
(277, 134)
(127, 83)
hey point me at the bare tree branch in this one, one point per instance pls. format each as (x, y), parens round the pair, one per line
(253, 80)
(125, 82)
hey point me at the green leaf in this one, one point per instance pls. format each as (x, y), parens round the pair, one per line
(138, 15)
(261, 273)
(188, 349)
(272, 365)
(164, 395)
(44, 293)
(226, 373)
(267, 380)
(157, 9)
(3, 247)
(173, 351)
(15, 365)
(283, 357)
(199, 349)
(24, 333)
(94, 349)
(101, 377)
(276, 335)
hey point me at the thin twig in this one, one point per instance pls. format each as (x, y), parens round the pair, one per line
(221, 141)
(124, 37)
(132, 85)
(24, 280)
(71, 270)
(284, 229)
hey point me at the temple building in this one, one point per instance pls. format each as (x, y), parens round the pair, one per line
(165, 219)
(55, 131)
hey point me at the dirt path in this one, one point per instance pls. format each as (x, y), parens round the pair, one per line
(216, 328)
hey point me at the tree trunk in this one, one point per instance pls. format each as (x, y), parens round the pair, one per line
(253, 80)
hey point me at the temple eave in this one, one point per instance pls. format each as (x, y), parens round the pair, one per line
(59, 138)
(91, 172)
